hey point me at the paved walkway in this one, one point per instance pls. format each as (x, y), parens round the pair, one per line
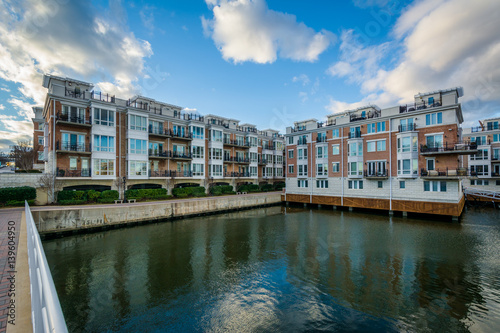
(6, 215)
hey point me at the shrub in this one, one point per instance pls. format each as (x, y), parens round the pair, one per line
(146, 194)
(106, 200)
(80, 195)
(93, 195)
(197, 191)
(279, 186)
(72, 202)
(17, 193)
(110, 194)
(182, 195)
(64, 195)
(19, 203)
(28, 171)
(267, 187)
(199, 195)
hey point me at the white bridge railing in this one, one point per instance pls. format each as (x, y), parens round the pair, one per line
(482, 193)
(46, 312)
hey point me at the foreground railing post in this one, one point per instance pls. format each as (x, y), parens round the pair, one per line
(46, 312)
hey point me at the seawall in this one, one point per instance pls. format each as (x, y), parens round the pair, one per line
(61, 219)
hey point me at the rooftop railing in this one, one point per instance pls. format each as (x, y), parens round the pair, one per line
(417, 106)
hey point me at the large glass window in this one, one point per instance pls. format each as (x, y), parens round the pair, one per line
(215, 170)
(381, 126)
(335, 133)
(434, 186)
(104, 143)
(322, 169)
(198, 132)
(104, 167)
(138, 168)
(138, 146)
(137, 123)
(335, 166)
(216, 135)
(434, 141)
(355, 168)
(198, 169)
(104, 117)
(434, 118)
(198, 152)
(356, 149)
(215, 154)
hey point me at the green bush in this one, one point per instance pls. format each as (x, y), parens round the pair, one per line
(17, 194)
(19, 203)
(106, 200)
(64, 195)
(72, 202)
(199, 195)
(279, 186)
(28, 171)
(267, 187)
(182, 195)
(93, 195)
(80, 195)
(146, 194)
(110, 194)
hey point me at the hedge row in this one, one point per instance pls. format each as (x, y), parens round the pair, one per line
(90, 196)
(148, 194)
(221, 189)
(249, 188)
(186, 192)
(28, 171)
(19, 203)
(17, 194)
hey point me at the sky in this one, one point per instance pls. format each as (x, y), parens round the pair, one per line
(263, 62)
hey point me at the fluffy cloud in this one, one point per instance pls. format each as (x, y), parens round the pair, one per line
(247, 30)
(67, 38)
(443, 46)
(303, 78)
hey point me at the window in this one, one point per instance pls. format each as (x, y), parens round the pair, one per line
(279, 159)
(40, 140)
(335, 133)
(215, 170)
(254, 171)
(278, 172)
(302, 183)
(216, 154)
(198, 169)
(303, 170)
(290, 169)
(335, 166)
(407, 144)
(104, 143)
(371, 146)
(321, 152)
(240, 140)
(72, 163)
(322, 183)
(434, 118)
(370, 128)
(498, 182)
(267, 172)
(216, 136)
(381, 145)
(104, 117)
(402, 184)
(407, 167)
(290, 140)
(179, 131)
(376, 168)
(138, 168)
(303, 154)
(492, 125)
(198, 132)
(72, 114)
(406, 124)
(254, 157)
(321, 137)
(155, 148)
(138, 146)
(198, 152)
(479, 170)
(479, 140)
(290, 153)
(355, 184)
(253, 141)
(480, 182)
(380, 184)
(72, 142)
(434, 141)
(355, 132)
(335, 149)
(41, 156)
(434, 186)
(137, 123)
(381, 126)
(496, 137)
(355, 168)
(321, 169)
(356, 149)
(155, 127)
(104, 167)
(482, 154)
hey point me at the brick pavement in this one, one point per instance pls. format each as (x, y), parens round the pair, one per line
(6, 215)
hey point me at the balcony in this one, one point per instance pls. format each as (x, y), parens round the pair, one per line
(163, 173)
(157, 154)
(236, 143)
(73, 120)
(417, 106)
(73, 172)
(407, 128)
(177, 135)
(159, 131)
(179, 156)
(449, 148)
(354, 135)
(64, 146)
(321, 139)
(102, 97)
(302, 141)
(180, 174)
(232, 159)
(262, 162)
(444, 174)
(379, 174)
(236, 174)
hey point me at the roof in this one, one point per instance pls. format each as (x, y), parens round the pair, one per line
(459, 90)
(48, 77)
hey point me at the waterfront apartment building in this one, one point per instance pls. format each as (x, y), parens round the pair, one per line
(407, 158)
(484, 166)
(90, 139)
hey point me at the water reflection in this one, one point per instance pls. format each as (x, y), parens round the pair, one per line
(283, 269)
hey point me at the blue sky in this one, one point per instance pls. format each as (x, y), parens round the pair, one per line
(267, 63)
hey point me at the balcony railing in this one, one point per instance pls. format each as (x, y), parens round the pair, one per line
(102, 97)
(236, 143)
(407, 128)
(458, 172)
(263, 161)
(73, 119)
(449, 148)
(302, 141)
(170, 173)
(321, 139)
(236, 159)
(417, 106)
(376, 173)
(158, 131)
(73, 147)
(157, 153)
(353, 135)
(236, 174)
(185, 135)
(73, 172)
(179, 155)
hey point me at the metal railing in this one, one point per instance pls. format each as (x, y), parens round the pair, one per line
(355, 134)
(46, 312)
(73, 119)
(73, 173)
(376, 173)
(407, 128)
(72, 147)
(448, 147)
(236, 174)
(418, 106)
(458, 172)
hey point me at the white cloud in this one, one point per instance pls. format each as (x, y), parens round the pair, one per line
(445, 44)
(303, 78)
(247, 30)
(71, 40)
(5, 89)
(2, 107)
(304, 96)
(147, 17)
(25, 109)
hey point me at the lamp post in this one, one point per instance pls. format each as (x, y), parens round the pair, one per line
(124, 179)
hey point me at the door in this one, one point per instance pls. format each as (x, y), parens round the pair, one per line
(85, 167)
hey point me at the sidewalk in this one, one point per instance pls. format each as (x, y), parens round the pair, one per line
(6, 215)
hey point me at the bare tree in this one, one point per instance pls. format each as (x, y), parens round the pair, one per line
(23, 154)
(50, 184)
(4, 158)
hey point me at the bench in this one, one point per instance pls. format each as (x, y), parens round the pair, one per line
(118, 201)
(131, 200)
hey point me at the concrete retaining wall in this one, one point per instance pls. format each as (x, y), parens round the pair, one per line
(61, 219)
